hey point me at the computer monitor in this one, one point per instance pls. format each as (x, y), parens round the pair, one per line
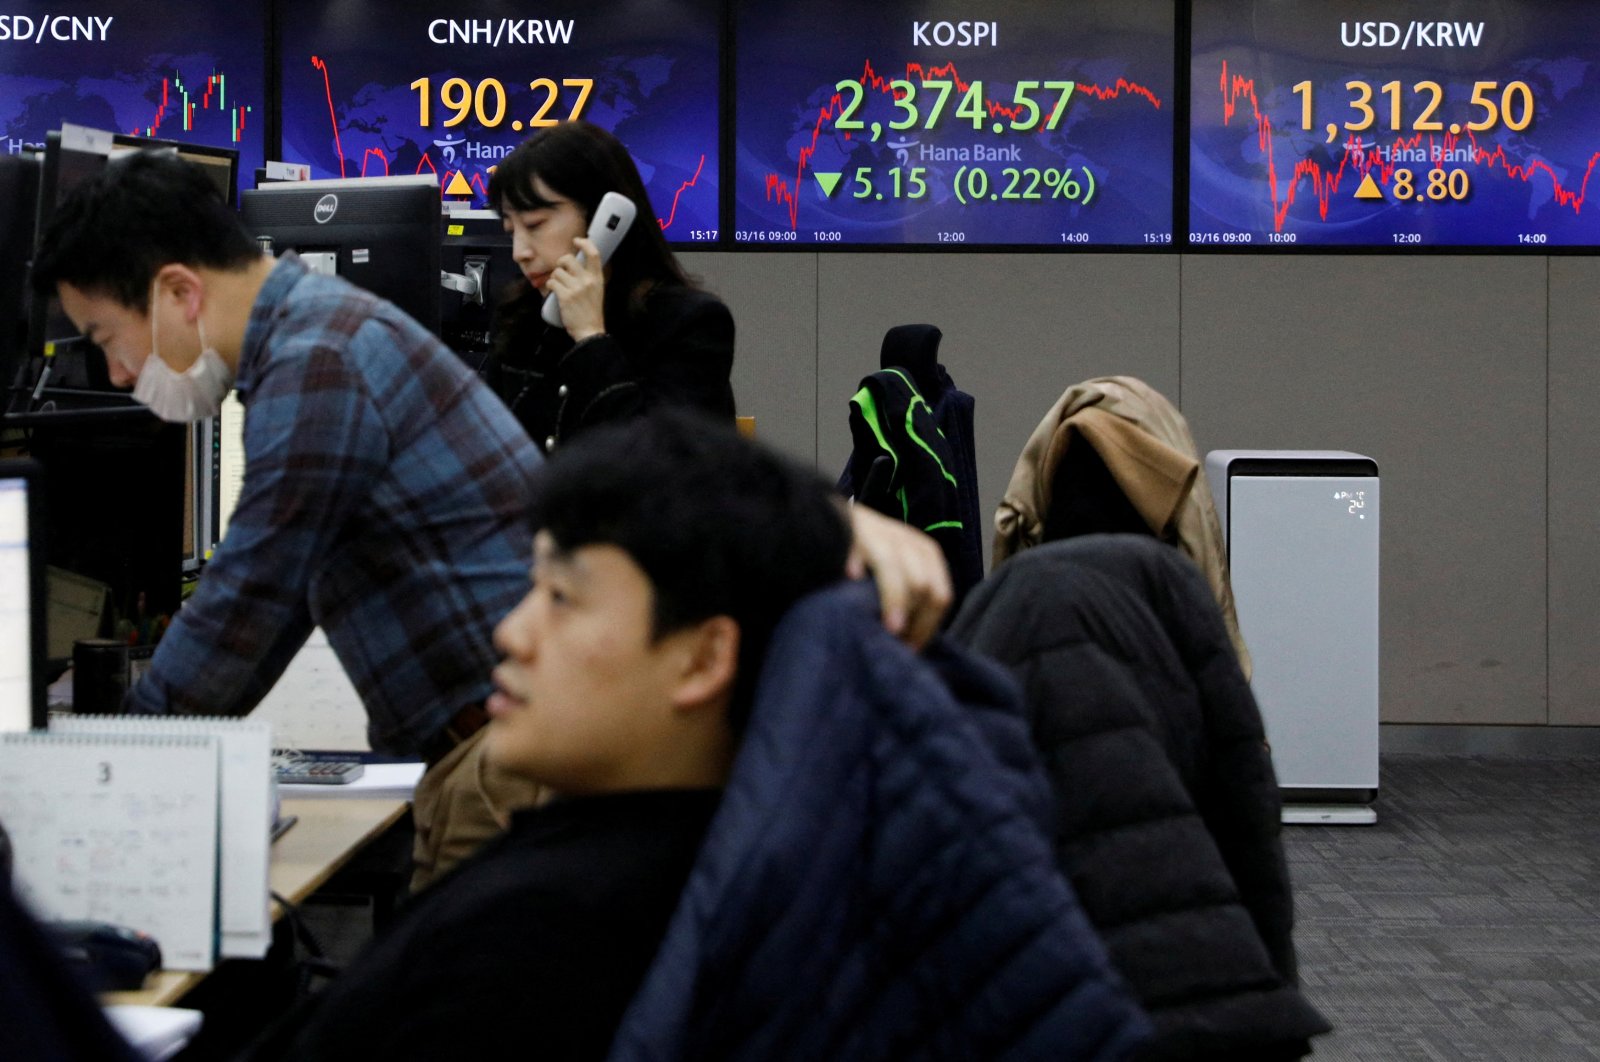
(22, 599)
(63, 372)
(476, 249)
(19, 199)
(380, 233)
(114, 491)
(77, 380)
(220, 164)
(229, 460)
(202, 489)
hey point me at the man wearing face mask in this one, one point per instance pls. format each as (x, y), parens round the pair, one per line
(385, 492)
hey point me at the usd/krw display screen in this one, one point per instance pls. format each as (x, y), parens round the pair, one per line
(405, 87)
(1366, 124)
(905, 122)
(190, 71)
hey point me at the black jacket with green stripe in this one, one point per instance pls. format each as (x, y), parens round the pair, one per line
(904, 467)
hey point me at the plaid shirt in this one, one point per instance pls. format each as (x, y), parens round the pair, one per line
(385, 499)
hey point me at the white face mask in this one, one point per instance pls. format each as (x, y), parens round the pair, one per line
(183, 397)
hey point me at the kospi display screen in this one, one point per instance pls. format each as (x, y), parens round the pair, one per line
(407, 87)
(189, 70)
(1368, 124)
(935, 123)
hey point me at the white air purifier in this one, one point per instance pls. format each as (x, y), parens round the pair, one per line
(1302, 534)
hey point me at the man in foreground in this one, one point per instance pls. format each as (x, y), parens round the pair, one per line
(891, 892)
(666, 555)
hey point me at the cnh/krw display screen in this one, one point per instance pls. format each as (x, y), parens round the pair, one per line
(188, 70)
(404, 88)
(1465, 123)
(900, 122)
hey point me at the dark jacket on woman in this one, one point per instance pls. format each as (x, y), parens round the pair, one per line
(675, 348)
(1167, 806)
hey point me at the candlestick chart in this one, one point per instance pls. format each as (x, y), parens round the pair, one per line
(194, 75)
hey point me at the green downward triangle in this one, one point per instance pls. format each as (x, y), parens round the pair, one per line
(828, 181)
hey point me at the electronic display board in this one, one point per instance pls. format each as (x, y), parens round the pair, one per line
(936, 123)
(189, 70)
(406, 87)
(1471, 123)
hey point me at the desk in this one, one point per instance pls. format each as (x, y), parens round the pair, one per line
(328, 834)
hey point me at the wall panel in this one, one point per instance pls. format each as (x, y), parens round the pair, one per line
(774, 303)
(1574, 492)
(1435, 367)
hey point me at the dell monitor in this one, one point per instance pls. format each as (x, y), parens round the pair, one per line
(22, 599)
(379, 233)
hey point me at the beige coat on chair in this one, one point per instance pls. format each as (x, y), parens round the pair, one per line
(1145, 444)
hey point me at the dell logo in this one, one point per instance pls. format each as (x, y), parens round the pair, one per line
(325, 208)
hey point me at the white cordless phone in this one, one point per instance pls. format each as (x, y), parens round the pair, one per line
(611, 220)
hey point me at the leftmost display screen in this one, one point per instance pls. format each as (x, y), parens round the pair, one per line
(186, 71)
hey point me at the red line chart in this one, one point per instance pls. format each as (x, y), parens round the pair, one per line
(327, 86)
(780, 189)
(666, 222)
(477, 181)
(1359, 159)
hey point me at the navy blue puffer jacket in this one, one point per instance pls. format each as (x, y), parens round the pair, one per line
(878, 881)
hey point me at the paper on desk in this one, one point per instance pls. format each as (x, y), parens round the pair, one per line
(392, 781)
(157, 1033)
(313, 705)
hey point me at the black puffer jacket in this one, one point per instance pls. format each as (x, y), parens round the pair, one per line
(1167, 806)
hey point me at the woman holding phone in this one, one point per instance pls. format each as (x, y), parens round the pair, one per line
(635, 333)
(640, 333)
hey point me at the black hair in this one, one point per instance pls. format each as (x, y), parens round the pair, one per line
(720, 525)
(113, 232)
(582, 162)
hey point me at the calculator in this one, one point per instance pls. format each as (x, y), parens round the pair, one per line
(293, 769)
